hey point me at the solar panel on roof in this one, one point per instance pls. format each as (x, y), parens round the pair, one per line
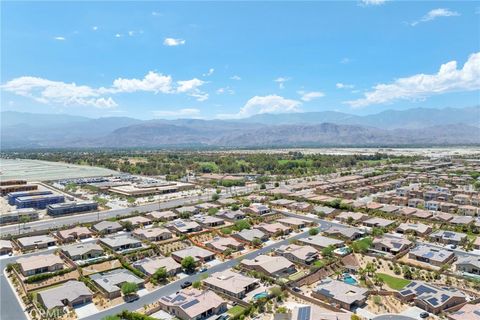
(178, 298)
(444, 297)
(190, 303)
(421, 289)
(304, 313)
(433, 301)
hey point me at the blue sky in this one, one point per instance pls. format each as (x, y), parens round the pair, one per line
(236, 59)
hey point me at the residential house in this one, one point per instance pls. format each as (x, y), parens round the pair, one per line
(339, 293)
(5, 247)
(378, 223)
(391, 245)
(181, 226)
(107, 227)
(467, 312)
(121, 243)
(207, 221)
(162, 215)
(258, 209)
(83, 251)
(431, 298)
(298, 254)
(152, 234)
(137, 221)
(231, 283)
(469, 264)
(320, 242)
(36, 242)
(273, 229)
(111, 282)
(348, 233)
(248, 235)
(193, 304)
(347, 216)
(37, 264)
(467, 210)
(72, 294)
(231, 215)
(150, 265)
(418, 229)
(73, 234)
(431, 255)
(295, 223)
(462, 220)
(274, 266)
(197, 253)
(448, 237)
(223, 244)
(432, 205)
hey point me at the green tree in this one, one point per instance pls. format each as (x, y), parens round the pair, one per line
(129, 288)
(328, 252)
(256, 242)
(160, 275)
(196, 284)
(188, 263)
(313, 231)
(241, 225)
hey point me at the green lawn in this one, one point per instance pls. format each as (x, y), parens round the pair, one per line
(296, 275)
(236, 311)
(394, 282)
(319, 263)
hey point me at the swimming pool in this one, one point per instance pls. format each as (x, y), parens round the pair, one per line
(260, 295)
(348, 279)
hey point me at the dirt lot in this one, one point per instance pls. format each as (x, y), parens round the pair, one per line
(100, 267)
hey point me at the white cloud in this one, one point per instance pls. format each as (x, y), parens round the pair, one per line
(94, 28)
(309, 96)
(435, 13)
(345, 60)
(131, 33)
(172, 42)
(153, 82)
(419, 86)
(209, 72)
(118, 35)
(47, 91)
(340, 85)
(191, 87)
(373, 2)
(60, 38)
(235, 77)
(265, 104)
(225, 90)
(281, 81)
(57, 92)
(187, 112)
(156, 13)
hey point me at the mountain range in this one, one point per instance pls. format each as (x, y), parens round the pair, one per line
(412, 127)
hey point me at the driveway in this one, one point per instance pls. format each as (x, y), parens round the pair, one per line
(86, 310)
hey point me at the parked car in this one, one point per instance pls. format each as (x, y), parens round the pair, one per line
(203, 269)
(424, 315)
(186, 284)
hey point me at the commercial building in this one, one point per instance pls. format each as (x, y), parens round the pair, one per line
(27, 214)
(12, 196)
(59, 209)
(38, 202)
(4, 190)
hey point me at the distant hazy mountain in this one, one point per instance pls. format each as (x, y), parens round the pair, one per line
(409, 127)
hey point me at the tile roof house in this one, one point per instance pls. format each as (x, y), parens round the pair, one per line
(82, 251)
(258, 209)
(249, 235)
(391, 245)
(340, 293)
(448, 237)
(431, 298)
(224, 243)
(162, 215)
(180, 226)
(6, 247)
(152, 234)
(433, 256)
(231, 283)
(197, 253)
(121, 243)
(150, 265)
(275, 228)
(469, 264)
(193, 304)
(467, 312)
(231, 215)
(344, 232)
(71, 293)
(349, 215)
(275, 266)
(107, 227)
(37, 264)
(294, 223)
(462, 220)
(207, 221)
(418, 229)
(137, 221)
(295, 253)
(378, 222)
(111, 282)
(320, 242)
(36, 242)
(73, 234)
